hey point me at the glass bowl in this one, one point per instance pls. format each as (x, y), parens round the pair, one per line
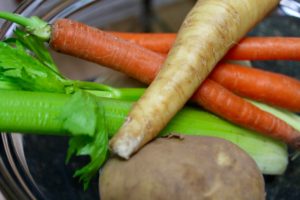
(33, 167)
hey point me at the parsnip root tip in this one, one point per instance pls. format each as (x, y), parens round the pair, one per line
(124, 147)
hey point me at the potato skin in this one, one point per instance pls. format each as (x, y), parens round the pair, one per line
(190, 167)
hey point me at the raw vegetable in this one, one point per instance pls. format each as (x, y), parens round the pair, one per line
(23, 68)
(266, 48)
(288, 117)
(207, 33)
(271, 88)
(240, 111)
(20, 68)
(216, 41)
(90, 43)
(158, 42)
(47, 113)
(183, 167)
(101, 47)
(249, 48)
(147, 63)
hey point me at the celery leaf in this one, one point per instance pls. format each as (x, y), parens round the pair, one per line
(37, 46)
(79, 115)
(22, 68)
(84, 118)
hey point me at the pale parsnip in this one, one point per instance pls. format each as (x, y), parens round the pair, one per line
(207, 33)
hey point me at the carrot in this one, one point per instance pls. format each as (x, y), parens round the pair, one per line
(266, 48)
(207, 33)
(97, 46)
(221, 101)
(158, 42)
(272, 88)
(250, 48)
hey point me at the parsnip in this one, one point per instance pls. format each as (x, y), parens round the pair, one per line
(207, 33)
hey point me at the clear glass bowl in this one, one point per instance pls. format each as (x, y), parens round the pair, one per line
(32, 167)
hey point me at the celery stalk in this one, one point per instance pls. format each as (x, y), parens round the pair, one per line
(43, 113)
(29, 112)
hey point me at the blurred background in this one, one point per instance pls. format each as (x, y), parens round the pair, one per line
(9, 5)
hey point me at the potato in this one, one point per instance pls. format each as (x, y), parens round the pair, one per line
(185, 167)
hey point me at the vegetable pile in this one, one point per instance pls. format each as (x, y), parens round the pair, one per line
(92, 114)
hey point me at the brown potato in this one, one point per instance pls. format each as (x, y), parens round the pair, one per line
(186, 168)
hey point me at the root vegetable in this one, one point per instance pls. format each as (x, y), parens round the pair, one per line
(88, 43)
(249, 48)
(266, 48)
(208, 32)
(268, 87)
(158, 42)
(240, 111)
(190, 167)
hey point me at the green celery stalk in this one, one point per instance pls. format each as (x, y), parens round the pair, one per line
(36, 112)
(29, 112)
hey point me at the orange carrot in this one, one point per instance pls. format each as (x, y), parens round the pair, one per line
(97, 46)
(222, 102)
(158, 42)
(271, 88)
(250, 48)
(266, 48)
